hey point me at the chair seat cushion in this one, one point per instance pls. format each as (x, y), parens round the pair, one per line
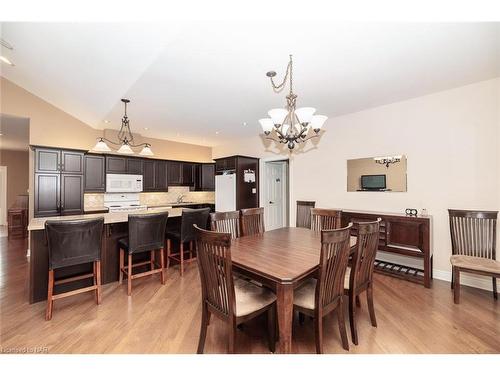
(250, 297)
(346, 278)
(123, 243)
(475, 263)
(304, 295)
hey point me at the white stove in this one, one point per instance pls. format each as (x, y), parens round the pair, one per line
(123, 202)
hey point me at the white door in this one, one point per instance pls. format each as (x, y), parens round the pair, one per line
(3, 195)
(276, 195)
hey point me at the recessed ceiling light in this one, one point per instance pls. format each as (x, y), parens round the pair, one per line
(244, 124)
(6, 60)
(107, 121)
(216, 132)
(146, 128)
(1, 134)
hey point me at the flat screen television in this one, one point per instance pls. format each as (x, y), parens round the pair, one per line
(373, 182)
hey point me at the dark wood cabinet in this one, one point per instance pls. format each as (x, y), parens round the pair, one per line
(47, 194)
(188, 174)
(148, 179)
(135, 166)
(72, 162)
(174, 173)
(116, 164)
(204, 177)
(47, 160)
(95, 173)
(226, 164)
(161, 170)
(71, 194)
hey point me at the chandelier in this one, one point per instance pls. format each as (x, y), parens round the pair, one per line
(292, 125)
(388, 160)
(125, 139)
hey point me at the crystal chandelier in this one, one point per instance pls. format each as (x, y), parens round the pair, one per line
(125, 139)
(292, 125)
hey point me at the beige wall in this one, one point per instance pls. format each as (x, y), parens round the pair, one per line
(395, 175)
(451, 140)
(17, 163)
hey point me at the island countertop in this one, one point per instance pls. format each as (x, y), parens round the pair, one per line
(38, 223)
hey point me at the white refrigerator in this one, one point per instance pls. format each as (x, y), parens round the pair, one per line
(225, 192)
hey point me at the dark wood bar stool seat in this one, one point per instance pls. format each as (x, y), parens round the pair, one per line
(473, 246)
(234, 301)
(252, 221)
(185, 234)
(359, 277)
(146, 233)
(303, 219)
(71, 243)
(325, 219)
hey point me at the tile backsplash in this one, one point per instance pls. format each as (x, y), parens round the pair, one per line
(93, 201)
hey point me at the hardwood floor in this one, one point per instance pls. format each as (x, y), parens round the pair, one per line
(166, 319)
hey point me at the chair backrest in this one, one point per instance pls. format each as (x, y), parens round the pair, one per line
(73, 242)
(325, 219)
(146, 232)
(366, 250)
(215, 267)
(226, 222)
(252, 221)
(190, 216)
(303, 219)
(335, 248)
(473, 233)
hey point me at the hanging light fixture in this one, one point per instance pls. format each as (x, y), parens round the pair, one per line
(292, 125)
(125, 139)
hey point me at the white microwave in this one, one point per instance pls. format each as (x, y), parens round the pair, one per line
(123, 183)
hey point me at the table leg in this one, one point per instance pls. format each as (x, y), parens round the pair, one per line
(285, 316)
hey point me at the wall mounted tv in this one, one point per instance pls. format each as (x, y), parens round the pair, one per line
(373, 182)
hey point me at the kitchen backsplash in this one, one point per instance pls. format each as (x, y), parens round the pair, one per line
(96, 200)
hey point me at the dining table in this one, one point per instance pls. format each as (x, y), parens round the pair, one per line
(281, 259)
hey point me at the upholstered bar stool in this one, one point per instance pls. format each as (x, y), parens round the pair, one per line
(146, 233)
(70, 243)
(185, 234)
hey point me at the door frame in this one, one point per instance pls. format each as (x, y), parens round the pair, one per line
(263, 182)
(3, 195)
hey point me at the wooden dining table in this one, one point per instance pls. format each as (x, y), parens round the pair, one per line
(281, 259)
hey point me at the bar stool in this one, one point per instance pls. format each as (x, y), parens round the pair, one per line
(146, 233)
(71, 243)
(185, 234)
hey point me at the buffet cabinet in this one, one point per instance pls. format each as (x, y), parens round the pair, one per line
(408, 236)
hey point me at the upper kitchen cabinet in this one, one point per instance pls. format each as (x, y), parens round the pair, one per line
(174, 173)
(161, 182)
(49, 160)
(188, 174)
(135, 166)
(205, 177)
(95, 173)
(148, 179)
(116, 164)
(72, 162)
(225, 164)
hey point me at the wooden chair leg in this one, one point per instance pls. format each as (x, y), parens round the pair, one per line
(452, 282)
(181, 248)
(152, 260)
(50, 292)
(162, 265)
(129, 278)
(205, 317)
(358, 301)
(456, 286)
(318, 333)
(352, 318)
(371, 306)
(169, 244)
(495, 294)
(271, 328)
(232, 337)
(122, 264)
(341, 319)
(190, 250)
(98, 277)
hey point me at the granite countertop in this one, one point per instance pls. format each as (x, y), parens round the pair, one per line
(38, 223)
(175, 204)
(91, 209)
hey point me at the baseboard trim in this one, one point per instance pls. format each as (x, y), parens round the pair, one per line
(476, 281)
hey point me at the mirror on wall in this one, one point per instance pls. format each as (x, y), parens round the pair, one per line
(379, 173)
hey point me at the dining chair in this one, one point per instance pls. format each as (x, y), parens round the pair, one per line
(303, 219)
(146, 233)
(325, 219)
(184, 234)
(72, 242)
(473, 246)
(319, 297)
(359, 277)
(226, 222)
(234, 301)
(252, 221)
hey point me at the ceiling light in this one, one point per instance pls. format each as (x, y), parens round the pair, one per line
(216, 132)
(244, 124)
(107, 121)
(146, 128)
(125, 149)
(101, 146)
(6, 60)
(146, 151)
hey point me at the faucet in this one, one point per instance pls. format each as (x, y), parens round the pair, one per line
(180, 198)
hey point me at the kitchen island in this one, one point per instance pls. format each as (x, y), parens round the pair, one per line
(115, 227)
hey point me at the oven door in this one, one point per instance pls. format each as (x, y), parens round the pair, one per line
(123, 183)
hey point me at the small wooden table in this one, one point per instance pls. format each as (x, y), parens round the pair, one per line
(282, 258)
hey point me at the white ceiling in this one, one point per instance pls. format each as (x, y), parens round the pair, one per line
(189, 81)
(14, 132)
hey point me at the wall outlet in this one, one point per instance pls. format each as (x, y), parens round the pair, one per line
(254, 190)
